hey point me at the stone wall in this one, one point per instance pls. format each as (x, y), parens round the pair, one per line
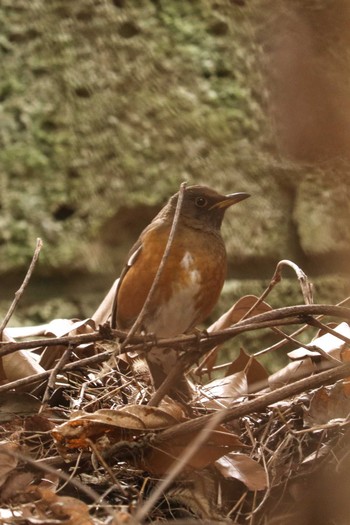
(107, 106)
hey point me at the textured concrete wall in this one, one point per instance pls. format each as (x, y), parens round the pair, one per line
(107, 106)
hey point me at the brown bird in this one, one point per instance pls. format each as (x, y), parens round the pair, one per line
(191, 280)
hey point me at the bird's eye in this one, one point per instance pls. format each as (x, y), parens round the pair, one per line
(201, 202)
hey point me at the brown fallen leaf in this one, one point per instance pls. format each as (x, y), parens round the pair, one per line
(229, 318)
(222, 392)
(243, 468)
(329, 343)
(60, 328)
(18, 365)
(292, 372)
(12, 404)
(7, 463)
(327, 404)
(158, 461)
(121, 424)
(255, 372)
(15, 485)
(70, 511)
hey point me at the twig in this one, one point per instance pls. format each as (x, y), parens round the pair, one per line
(279, 316)
(52, 378)
(168, 382)
(20, 291)
(283, 341)
(306, 287)
(138, 323)
(44, 375)
(321, 326)
(176, 468)
(41, 465)
(258, 404)
(310, 347)
(93, 337)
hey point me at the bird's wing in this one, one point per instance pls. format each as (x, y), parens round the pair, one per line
(134, 253)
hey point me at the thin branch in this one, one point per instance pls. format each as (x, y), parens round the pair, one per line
(177, 467)
(284, 341)
(279, 316)
(321, 326)
(310, 347)
(306, 286)
(138, 323)
(203, 344)
(53, 376)
(85, 489)
(258, 404)
(169, 381)
(20, 291)
(95, 359)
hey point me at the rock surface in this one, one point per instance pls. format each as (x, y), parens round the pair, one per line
(106, 107)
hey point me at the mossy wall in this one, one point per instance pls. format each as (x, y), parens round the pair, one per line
(107, 106)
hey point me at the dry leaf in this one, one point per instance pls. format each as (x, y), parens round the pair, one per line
(292, 372)
(159, 460)
(7, 463)
(104, 310)
(11, 404)
(15, 485)
(222, 392)
(328, 403)
(60, 328)
(244, 468)
(18, 365)
(255, 372)
(239, 310)
(232, 316)
(329, 343)
(124, 424)
(23, 332)
(21, 364)
(68, 510)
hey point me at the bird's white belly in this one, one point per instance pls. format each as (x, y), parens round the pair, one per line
(178, 313)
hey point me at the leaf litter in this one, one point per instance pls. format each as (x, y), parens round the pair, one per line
(80, 444)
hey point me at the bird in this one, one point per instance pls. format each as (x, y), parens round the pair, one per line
(190, 282)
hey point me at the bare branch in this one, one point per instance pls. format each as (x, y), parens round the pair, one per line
(20, 291)
(138, 323)
(258, 404)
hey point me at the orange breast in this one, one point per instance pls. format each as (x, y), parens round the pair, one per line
(189, 286)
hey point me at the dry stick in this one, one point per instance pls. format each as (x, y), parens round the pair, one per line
(193, 357)
(310, 347)
(177, 468)
(314, 322)
(282, 343)
(168, 382)
(288, 315)
(275, 279)
(41, 465)
(53, 376)
(137, 342)
(138, 323)
(20, 291)
(44, 375)
(258, 404)
(93, 337)
(206, 424)
(281, 316)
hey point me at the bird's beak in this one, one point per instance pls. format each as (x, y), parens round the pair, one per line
(230, 199)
